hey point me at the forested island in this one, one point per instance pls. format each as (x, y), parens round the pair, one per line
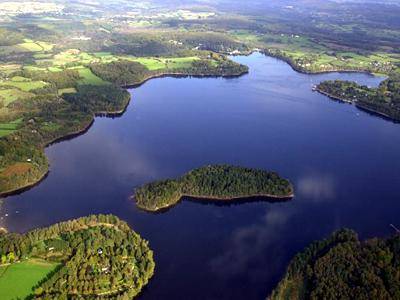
(85, 258)
(215, 182)
(384, 100)
(343, 267)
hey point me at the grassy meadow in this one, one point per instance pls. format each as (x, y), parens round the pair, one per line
(18, 279)
(9, 127)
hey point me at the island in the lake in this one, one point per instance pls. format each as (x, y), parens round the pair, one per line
(216, 182)
(90, 257)
(342, 267)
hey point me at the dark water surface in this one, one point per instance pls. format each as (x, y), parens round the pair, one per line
(344, 164)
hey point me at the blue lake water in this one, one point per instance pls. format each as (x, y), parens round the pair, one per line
(344, 164)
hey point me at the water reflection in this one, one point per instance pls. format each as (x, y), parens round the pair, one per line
(343, 163)
(246, 245)
(316, 187)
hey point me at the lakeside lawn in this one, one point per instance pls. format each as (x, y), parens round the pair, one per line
(18, 279)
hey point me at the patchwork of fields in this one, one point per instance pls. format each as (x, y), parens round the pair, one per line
(16, 87)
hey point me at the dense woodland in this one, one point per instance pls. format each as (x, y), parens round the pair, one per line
(221, 182)
(121, 72)
(98, 99)
(384, 100)
(98, 255)
(342, 267)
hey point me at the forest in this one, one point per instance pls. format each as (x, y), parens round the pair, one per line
(98, 255)
(384, 100)
(220, 182)
(343, 267)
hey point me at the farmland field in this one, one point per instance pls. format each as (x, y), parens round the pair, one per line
(162, 63)
(18, 279)
(88, 77)
(8, 95)
(23, 84)
(10, 127)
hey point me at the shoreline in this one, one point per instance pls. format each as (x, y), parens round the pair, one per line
(308, 72)
(110, 114)
(359, 106)
(28, 186)
(216, 199)
(179, 75)
(116, 114)
(333, 97)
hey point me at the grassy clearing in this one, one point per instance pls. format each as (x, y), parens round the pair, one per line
(18, 279)
(9, 68)
(50, 126)
(66, 91)
(72, 56)
(31, 47)
(45, 46)
(9, 95)
(88, 77)
(35, 68)
(245, 36)
(42, 55)
(54, 69)
(153, 63)
(25, 85)
(9, 127)
(102, 54)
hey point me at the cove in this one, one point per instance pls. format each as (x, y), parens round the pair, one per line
(343, 163)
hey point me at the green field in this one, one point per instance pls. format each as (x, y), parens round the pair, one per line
(165, 63)
(30, 46)
(71, 56)
(18, 279)
(34, 46)
(8, 69)
(23, 84)
(10, 127)
(66, 91)
(8, 95)
(88, 77)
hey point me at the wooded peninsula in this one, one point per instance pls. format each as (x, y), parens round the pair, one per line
(384, 100)
(93, 256)
(216, 182)
(343, 267)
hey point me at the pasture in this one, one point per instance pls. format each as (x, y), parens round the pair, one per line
(18, 279)
(9, 127)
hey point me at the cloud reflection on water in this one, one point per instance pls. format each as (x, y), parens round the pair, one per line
(247, 245)
(316, 187)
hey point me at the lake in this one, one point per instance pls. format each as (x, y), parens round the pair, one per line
(344, 164)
